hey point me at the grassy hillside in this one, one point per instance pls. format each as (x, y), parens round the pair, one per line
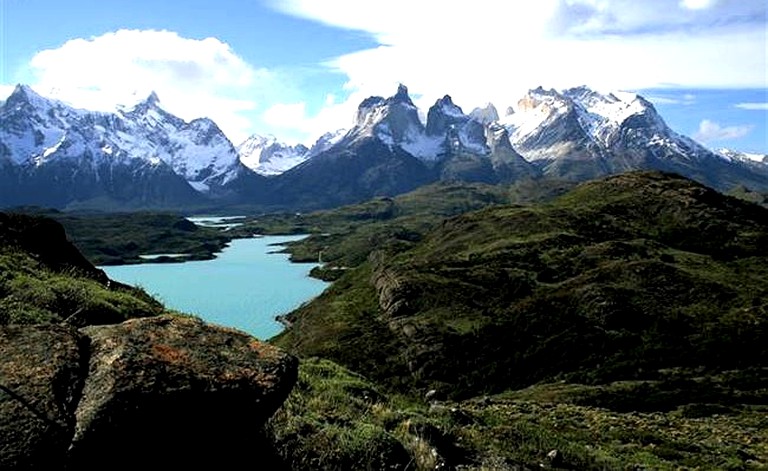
(45, 279)
(620, 326)
(346, 236)
(617, 279)
(337, 419)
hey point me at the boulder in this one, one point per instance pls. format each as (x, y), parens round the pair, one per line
(42, 369)
(151, 393)
(174, 391)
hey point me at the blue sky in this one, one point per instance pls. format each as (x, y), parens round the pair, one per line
(297, 68)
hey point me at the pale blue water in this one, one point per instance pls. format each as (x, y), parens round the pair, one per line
(245, 287)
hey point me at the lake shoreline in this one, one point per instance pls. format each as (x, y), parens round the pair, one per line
(248, 286)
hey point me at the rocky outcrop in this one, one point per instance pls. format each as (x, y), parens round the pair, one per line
(42, 369)
(392, 289)
(162, 391)
(45, 240)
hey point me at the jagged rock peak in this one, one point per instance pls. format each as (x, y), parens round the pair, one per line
(538, 96)
(23, 90)
(376, 102)
(498, 138)
(446, 100)
(582, 91)
(486, 115)
(447, 105)
(443, 115)
(401, 96)
(394, 117)
(23, 94)
(152, 99)
(149, 103)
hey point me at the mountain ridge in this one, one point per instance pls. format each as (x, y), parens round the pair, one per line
(142, 156)
(147, 157)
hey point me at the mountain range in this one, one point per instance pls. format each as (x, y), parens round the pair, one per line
(52, 154)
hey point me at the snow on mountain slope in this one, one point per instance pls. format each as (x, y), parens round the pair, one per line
(547, 124)
(458, 131)
(579, 134)
(486, 115)
(326, 141)
(35, 130)
(266, 156)
(748, 157)
(199, 151)
(395, 122)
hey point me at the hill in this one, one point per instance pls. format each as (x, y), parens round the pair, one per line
(635, 304)
(618, 279)
(45, 279)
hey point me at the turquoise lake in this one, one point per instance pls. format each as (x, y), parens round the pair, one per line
(245, 287)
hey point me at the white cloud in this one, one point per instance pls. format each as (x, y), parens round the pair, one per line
(697, 4)
(286, 115)
(685, 99)
(753, 106)
(5, 91)
(193, 77)
(294, 123)
(478, 52)
(710, 131)
(492, 51)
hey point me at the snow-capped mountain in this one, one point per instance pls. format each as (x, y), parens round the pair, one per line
(454, 130)
(746, 157)
(580, 134)
(43, 139)
(198, 151)
(326, 141)
(389, 151)
(266, 156)
(56, 155)
(448, 131)
(395, 122)
(486, 115)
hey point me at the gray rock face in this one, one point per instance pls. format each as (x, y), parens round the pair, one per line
(460, 132)
(394, 120)
(165, 391)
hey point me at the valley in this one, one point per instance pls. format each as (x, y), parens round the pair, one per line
(573, 285)
(614, 324)
(384, 236)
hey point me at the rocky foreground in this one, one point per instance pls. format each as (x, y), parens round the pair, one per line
(161, 391)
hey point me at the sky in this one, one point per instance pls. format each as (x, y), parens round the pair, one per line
(298, 68)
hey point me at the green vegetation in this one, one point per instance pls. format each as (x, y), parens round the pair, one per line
(119, 238)
(33, 294)
(336, 419)
(43, 279)
(333, 420)
(742, 192)
(623, 324)
(344, 237)
(620, 325)
(615, 280)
